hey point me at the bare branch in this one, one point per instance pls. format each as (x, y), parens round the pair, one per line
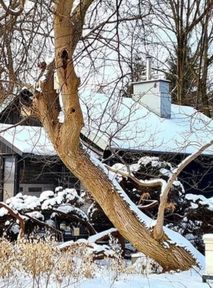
(78, 219)
(12, 11)
(158, 229)
(46, 102)
(46, 225)
(140, 183)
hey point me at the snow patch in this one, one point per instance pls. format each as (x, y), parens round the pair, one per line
(3, 212)
(202, 200)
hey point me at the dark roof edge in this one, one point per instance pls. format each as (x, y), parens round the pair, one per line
(153, 152)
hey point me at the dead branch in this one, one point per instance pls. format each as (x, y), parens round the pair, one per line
(140, 183)
(46, 225)
(148, 206)
(76, 218)
(17, 216)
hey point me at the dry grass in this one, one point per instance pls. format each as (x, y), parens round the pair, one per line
(43, 263)
(7, 258)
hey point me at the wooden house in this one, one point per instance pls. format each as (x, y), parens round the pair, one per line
(127, 127)
(28, 161)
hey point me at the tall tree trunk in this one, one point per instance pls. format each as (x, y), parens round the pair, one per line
(202, 92)
(169, 256)
(65, 138)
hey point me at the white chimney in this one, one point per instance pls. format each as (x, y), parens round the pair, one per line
(153, 94)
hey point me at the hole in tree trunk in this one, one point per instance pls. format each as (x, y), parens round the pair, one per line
(64, 58)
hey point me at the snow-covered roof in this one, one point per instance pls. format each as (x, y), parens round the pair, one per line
(125, 124)
(26, 139)
(33, 140)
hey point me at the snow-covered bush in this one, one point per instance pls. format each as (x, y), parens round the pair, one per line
(98, 218)
(53, 213)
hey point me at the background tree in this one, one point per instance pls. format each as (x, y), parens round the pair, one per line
(188, 25)
(190, 83)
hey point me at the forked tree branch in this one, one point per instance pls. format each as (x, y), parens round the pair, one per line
(110, 197)
(158, 228)
(78, 17)
(165, 186)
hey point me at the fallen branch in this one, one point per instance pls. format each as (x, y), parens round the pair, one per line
(46, 225)
(76, 218)
(17, 216)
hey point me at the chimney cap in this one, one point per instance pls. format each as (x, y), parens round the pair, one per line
(151, 80)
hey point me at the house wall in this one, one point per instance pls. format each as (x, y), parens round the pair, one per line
(1, 179)
(5, 150)
(9, 177)
(39, 174)
(11, 114)
(31, 175)
(8, 172)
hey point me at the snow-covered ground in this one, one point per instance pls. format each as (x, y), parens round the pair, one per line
(110, 279)
(168, 280)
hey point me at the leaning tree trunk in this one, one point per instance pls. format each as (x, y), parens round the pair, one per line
(122, 216)
(66, 136)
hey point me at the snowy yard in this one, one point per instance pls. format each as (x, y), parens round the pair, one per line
(49, 265)
(110, 279)
(71, 264)
(168, 280)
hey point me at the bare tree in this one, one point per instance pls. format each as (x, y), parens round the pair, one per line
(16, 216)
(187, 25)
(70, 39)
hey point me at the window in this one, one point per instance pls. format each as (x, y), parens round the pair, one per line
(35, 189)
